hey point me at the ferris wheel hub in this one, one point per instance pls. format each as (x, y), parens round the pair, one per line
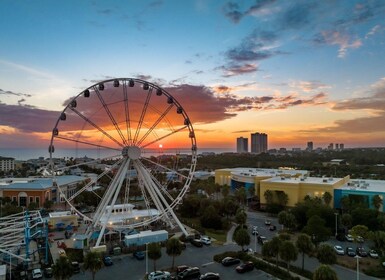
(132, 152)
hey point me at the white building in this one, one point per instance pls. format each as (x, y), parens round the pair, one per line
(7, 164)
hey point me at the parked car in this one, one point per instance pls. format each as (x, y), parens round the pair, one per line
(339, 250)
(48, 273)
(196, 242)
(262, 239)
(255, 227)
(255, 232)
(75, 267)
(230, 261)
(181, 268)
(361, 252)
(350, 252)
(210, 276)
(360, 239)
(107, 261)
(373, 254)
(159, 275)
(247, 266)
(206, 240)
(139, 255)
(36, 273)
(349, 238)
(267, 222)
(189, 273)
(272, 228)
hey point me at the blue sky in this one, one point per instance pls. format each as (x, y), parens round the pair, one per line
(297, 70)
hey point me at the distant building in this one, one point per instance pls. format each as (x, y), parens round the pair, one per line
(331, 146)
(337, 146)
(296, 149)
(258, 143)
(309, 146)
(242, 145)
(7, 164)
(282, 150)
(342, 146)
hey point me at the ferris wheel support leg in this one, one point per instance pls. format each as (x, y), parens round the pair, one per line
(152, 186)
(116, 189)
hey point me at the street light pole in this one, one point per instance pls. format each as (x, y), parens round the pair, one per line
(255, 242)
(336, 214)
(358, 266)
(146, 259)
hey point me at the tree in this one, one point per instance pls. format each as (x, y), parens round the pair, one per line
(305, 246)
(93, 262)
(327, 198)
(379, 241)
(377, 202)
(154, 252)
(242, 237)
(316, 229)
(288, 252)
(62, 269)
(345, 203)
(326, 254)
(271, 248)
(230, 207)
(240, 194)
(324, 272)
(346, 221)
(225, 190)
(268, 196)
(211, 218)
(359, 230)
(173, 248)
(241, 217)
(282, 197)
(286, 219)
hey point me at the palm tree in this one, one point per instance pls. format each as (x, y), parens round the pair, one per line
(268, 196)
(282, 197)
(62, 269)
(288, 252)
(377, 201)
(173, 248)
(324, 272)
(305, 246)
(154, 252)
(242, 237)
(327, 197)
(271, 248)
(326, 254)
(93, 262)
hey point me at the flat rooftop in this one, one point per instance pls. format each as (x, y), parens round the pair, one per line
(365, 185)
(262, 172)
(307, 180)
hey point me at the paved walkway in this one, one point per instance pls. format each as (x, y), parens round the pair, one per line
(230, 233)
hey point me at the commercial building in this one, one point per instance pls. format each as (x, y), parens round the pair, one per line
(259, 143)
(309, 146)
(7, 164)
(242, 145)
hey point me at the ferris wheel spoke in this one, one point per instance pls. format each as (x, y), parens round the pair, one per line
(144, 110)
(96, 126)
(110, 115)
(127, 111)
(94, 181)
(163, 137)
(154, 125)
(87, 143)
(165, 168)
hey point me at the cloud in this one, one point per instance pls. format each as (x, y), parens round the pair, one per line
(308, 86)
(232, 10)
(8, 92)
(242, 131)
(339, 38)
(236, 70)
(377, 28)
(297, 16)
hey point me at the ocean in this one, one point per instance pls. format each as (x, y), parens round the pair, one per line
(34, 153)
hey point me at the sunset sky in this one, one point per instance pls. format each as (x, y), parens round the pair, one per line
(297, 70)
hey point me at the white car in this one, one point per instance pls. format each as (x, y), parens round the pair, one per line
(159, 275)
(36, 273)
(373, 254)
(349, 238)
(339, 250)
(206, 240)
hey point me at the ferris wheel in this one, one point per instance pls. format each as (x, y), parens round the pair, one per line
(126, 122)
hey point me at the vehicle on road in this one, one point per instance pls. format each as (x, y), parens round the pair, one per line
(196, 242)
(230, 261)
(36, 273)
(247, 266)
(349, 238)
(139, 255)
(272, 228)
(75, 267)
(206, 240)
(361, 252)
(107, 261)
(181, 268)
(262, 239)
(48, 273)
(190, 273)
(373, 254)
(210, 276)
(267, 222)
(339, 250)
(159, 275)
(350, 252)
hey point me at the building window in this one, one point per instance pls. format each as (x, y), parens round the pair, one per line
(22, 201)
(37, 200)
(14, 198)
(30, 199)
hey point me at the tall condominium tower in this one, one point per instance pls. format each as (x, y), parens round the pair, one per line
(242, 145)
(258, 143)
(309, 146)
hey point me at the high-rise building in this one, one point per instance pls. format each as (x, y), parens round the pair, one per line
(242, 145)
(337, 146)
(258, 143)
(342, 146)
(309, 146)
